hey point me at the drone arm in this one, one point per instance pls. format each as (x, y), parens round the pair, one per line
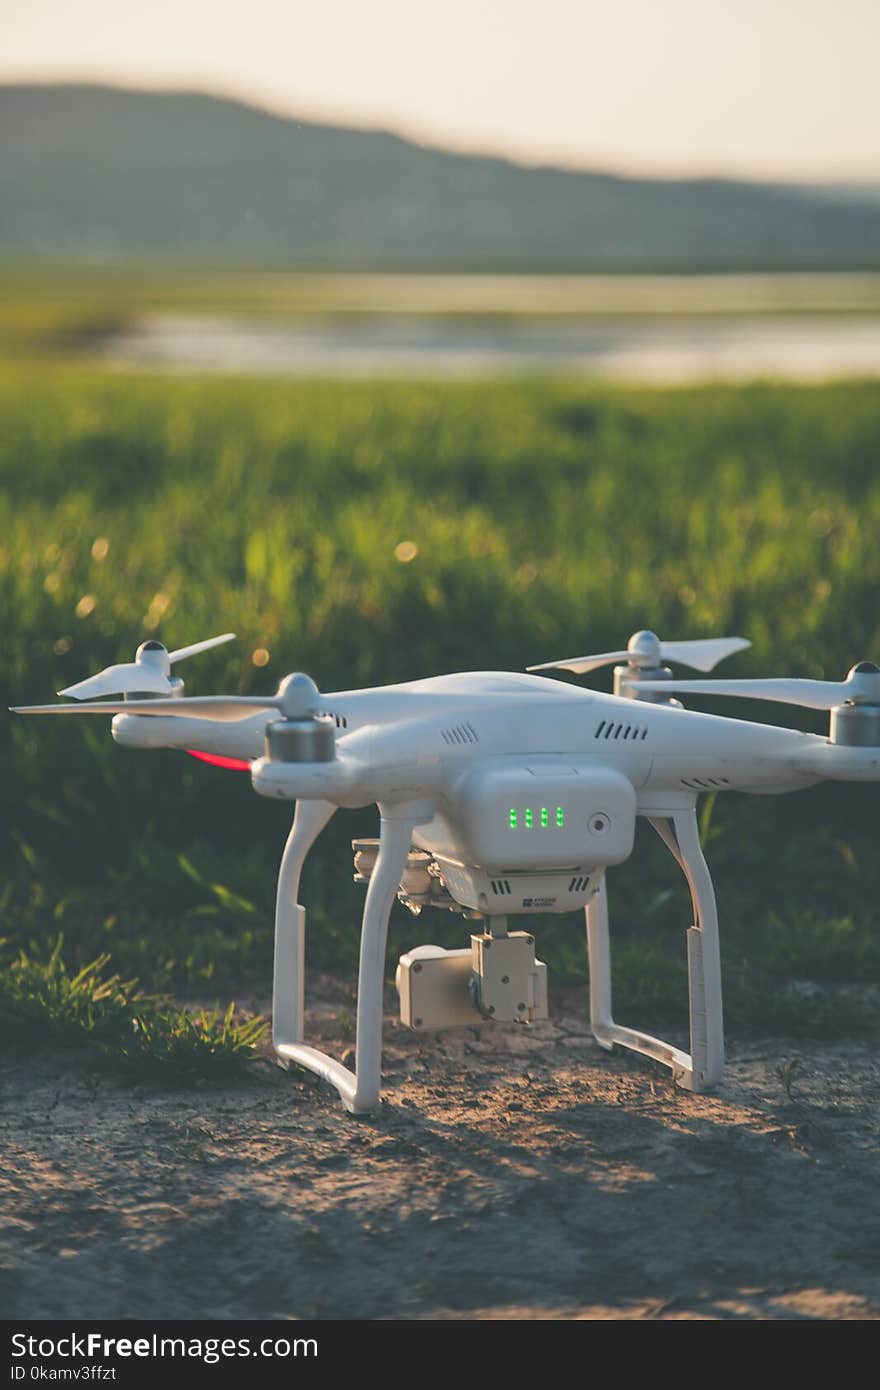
(840, 762)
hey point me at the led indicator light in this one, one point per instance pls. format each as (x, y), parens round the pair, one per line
(529, 817)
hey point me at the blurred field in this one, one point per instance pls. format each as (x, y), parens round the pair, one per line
(543, 519)
(45, 310)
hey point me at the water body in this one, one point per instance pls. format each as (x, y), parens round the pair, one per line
(662, 349)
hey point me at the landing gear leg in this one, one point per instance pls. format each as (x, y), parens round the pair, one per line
(702, 1068)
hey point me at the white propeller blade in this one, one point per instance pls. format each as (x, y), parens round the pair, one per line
(297, 697)
(222, 708)
(806, 693)
(126, 679)
(195, 647)
(582, 664)
(147, 674)
(705, 654)
(702, 655)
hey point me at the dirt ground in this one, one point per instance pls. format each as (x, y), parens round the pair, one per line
(509, 1173)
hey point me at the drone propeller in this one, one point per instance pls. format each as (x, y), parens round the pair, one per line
(297, 697)
(861, 687)
(646, 649)
(148, 674)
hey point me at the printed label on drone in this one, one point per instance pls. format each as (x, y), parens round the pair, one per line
(538, 902)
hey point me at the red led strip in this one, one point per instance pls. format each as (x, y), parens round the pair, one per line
(215, 759)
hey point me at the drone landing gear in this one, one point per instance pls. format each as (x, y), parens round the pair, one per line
(702, 1068)
(359, 1089)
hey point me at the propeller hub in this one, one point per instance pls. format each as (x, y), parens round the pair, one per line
(153, 654)
(303, 734)
(864, 683)
(299, 696)
(643, 649)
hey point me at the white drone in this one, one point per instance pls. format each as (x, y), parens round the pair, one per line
(498, 793)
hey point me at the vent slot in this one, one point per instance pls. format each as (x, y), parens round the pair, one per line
(460, 734)
(339, 719)
(608, 729)
(579, 883)
(500, 887)
(704, 784)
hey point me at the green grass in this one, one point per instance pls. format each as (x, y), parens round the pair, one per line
(549, 518)
(44, 1007)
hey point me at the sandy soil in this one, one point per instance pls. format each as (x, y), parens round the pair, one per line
(509, 1173)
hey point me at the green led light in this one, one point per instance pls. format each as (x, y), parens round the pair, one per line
(518, 819)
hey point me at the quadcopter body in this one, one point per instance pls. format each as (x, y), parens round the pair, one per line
(499, 794)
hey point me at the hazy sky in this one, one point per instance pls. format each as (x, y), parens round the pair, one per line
(767, 87)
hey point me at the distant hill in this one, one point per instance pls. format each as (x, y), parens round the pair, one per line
(96, 172)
